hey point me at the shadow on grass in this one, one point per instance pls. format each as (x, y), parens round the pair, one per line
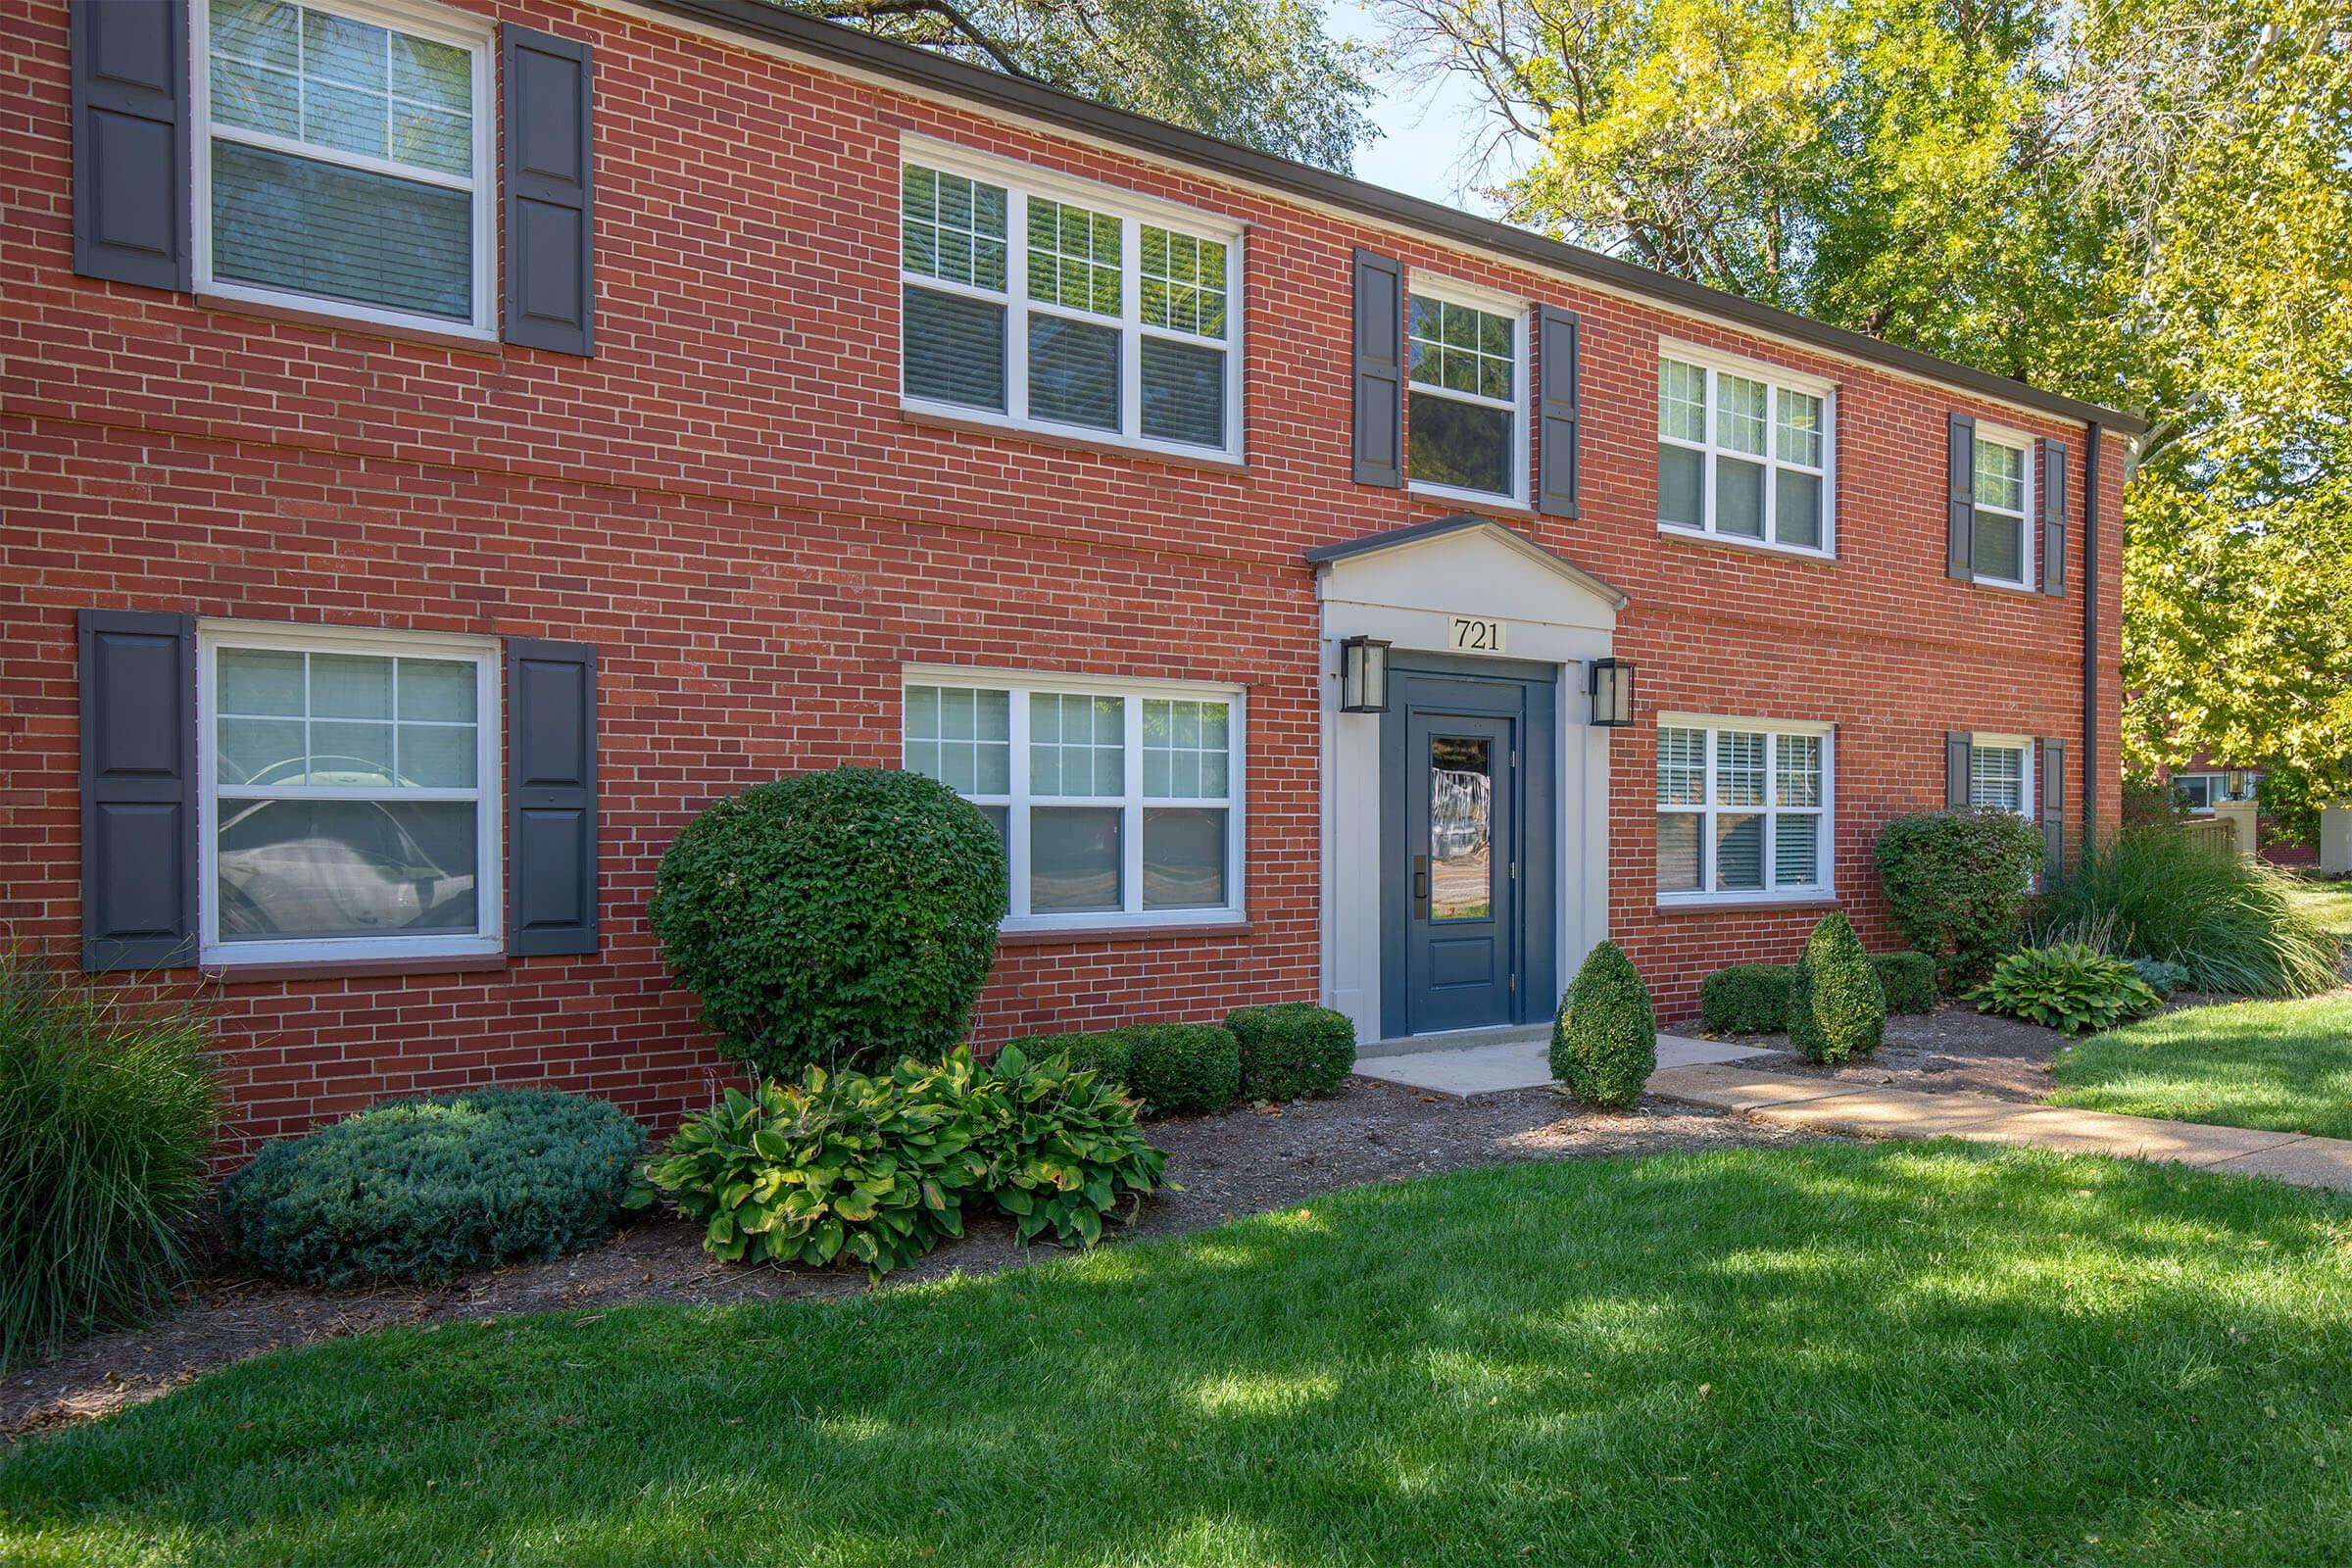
(1871, 1355)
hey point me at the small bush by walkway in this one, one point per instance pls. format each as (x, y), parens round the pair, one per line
(2281, 1065)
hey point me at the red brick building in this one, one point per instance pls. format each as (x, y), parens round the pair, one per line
(448, 444)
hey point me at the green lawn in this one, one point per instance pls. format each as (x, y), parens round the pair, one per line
(1886, 1353)
(2329, 902)
(2284, 1065)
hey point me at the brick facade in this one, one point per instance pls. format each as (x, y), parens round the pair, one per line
(728, 502)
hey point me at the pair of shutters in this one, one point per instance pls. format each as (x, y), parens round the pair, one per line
(1961, 532)
(1379, 386)
(139, 793)
(132, 135)
(2052, 776)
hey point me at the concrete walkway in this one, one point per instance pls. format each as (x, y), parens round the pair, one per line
(1522, 1062)
(1825, 1104)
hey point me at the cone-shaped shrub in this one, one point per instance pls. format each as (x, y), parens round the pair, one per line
(1604, 1044)
(1836, 1009)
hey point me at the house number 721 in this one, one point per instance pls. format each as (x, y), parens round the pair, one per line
(1473, 634)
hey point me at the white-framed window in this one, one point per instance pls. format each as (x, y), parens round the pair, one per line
(2200, 790)
(349, 800)
(2000, 773)
(1743, 810)
(344, 159)
(1466, 390)
(1746, 452)
(2002, 547)
(1046, 303)
(1120, 801)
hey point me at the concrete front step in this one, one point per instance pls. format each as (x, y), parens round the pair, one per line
(1471, 1068)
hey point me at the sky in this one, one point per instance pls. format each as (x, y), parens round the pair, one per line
(1423, 131)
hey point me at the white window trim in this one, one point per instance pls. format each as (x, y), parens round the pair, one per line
(1019, 684)
(474, 35)
(2029, 526)
(2026, 746)
(1021, 181)
(1777, 379)
(1452, 291)
(2213, 783)
(1823, 891)
(489, 934)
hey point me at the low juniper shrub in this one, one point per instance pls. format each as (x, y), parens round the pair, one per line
(1746, 998)
(426, 1189)
(1604, 1042)
(2161, 977)
(1836, 1011)
(1292, 1050)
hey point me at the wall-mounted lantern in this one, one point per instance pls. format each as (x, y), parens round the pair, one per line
(1611, 686)
(1363, 675)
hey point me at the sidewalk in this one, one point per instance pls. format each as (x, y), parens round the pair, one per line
(1827, 1105)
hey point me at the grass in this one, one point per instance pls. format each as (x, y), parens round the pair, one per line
(2330, 904)
(1861, 1354)
(2281, 1065)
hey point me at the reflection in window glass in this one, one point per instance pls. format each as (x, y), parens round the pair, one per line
(1462, 822)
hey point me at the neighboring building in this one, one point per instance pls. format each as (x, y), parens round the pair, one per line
(471, 437)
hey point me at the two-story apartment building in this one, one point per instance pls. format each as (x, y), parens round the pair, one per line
(448, 443)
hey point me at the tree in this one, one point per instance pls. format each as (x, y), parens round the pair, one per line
(1260, 72)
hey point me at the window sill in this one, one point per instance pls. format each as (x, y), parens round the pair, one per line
(2030, 590)
(215, 973)
(1121, 933)
(1764, 547)
(1735, 905)
(461, 342)
(1074, 440)
(1475, 498)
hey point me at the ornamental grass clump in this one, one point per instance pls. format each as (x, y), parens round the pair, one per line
(1836, 1011)
(2069, 988)
(105, 1116)
(1604, 1043)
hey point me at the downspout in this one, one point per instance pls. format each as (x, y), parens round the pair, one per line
(2091, 637)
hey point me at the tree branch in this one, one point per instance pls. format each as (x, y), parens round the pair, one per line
(867, 10)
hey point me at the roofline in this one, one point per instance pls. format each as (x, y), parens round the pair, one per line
(1321, 557)
(865, 52)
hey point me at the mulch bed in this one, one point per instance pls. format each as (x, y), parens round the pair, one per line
(1241, 1162)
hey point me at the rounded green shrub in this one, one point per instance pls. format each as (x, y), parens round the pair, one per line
(1103, 1053)
(1907, 979)
(106, 1119)
(845, 917)
(1604, 1043)
(1292, 1050)
(1746, 999)
(1835, 1009)
(427, 1189)
(1182, 1069)
(1956, 885)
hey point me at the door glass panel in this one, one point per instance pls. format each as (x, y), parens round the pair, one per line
(1462, 821)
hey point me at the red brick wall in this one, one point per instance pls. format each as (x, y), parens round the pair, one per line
(727, 501)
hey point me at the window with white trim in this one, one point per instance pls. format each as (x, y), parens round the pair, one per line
(1744, 456)
(1743, 810)
(2003, 546)
(349, 800)
(2200, 790)
(1465, 419)
(2000, 775)
(343, 159)
(1119, 802)
(1067, 309)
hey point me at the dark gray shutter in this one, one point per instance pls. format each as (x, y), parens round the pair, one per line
(1960, 558)
(130, 141)
(1956, 746)
(1379, 369)
(1556, 418)
(551, 228)
(2053, 809)
(138, 789)
(551, 797)
(2053, 518)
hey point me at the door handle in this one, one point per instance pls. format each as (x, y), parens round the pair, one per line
(1421, 885)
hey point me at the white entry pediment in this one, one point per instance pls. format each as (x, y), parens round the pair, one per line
(1465, 566)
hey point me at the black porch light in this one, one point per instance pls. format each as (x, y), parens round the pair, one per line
(1611, 687)
(1363, 675)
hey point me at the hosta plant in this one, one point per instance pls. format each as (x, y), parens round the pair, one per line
(835, 1168)
(2069, 988)
(1060, 1144)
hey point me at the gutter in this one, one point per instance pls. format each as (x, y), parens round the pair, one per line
(845, 46)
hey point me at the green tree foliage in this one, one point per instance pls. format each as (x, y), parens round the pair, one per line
(1261, 73)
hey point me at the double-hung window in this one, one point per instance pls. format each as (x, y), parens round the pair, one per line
(2003, 550)
(2000, 775)
(1745, 453)
(1467, 430)
(343, 157)
(1743, 810)
(349, 803)
(1052, 305)
(1119, 802)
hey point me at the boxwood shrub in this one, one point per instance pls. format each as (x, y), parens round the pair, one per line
(1746, 998)
(1604, 1043)
(1176, 1069)
(845, 917)
(1835, 1009)
(1104, 1051)
(426, 1189)
(1907, 979)
(1292, 1050)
